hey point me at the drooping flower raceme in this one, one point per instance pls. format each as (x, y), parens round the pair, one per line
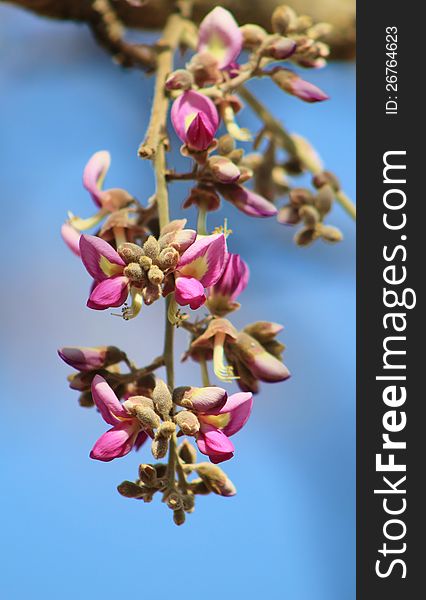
(195, 120)
(218, 416)
(220, 36)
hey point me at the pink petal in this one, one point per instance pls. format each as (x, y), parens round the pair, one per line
(190, 291)
(220, 35)
(92, 249)
(234, 278)
(83, 359)
(208, 399)
(215, 440)
(239, 408)
(107, 402)
(94, 174)
(200, 133)
(115, 443)
(266, 367)
(306, 91)
(247, 201)
(71, 237)
(189, 105)
(109, 293)
(204, 260)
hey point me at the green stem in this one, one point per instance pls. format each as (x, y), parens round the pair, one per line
(204, 373)
(275, 127)
(202, 221)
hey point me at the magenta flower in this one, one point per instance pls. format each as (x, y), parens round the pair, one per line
(90, 358)
(219, 418)
(233, 281)
(247, 201)
(126, 431)
(107, 201)
(195, 120)
(106, 267)
(220, 36)
(199, 267)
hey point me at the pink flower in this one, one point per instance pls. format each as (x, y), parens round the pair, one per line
(199, 267)
(71, 237)
(219, 416)
(195, 120)
(220, 36)
(105, 265)
(107, 201)
(247, 201)
(89, 358)
(234, 278)
(126, 431)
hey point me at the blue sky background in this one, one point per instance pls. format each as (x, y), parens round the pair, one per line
(65, 531)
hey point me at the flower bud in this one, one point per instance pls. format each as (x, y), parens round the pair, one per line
(223, 169)
(147, 417)
(129, 489)
(187, 422)
(168, 259)
(148, 475)
(151, 293)
(288, 215)
(305, 236)
(174, 501)
(280, 48)
(263, 331)
(198, 486)
(204, 69)
(253, 36)
(86, 359)
(324, 199)
(151, 247)
(166, 430)
(283, 20)
(187, 452)
(299, 197)
(179, 516)
(155, 275)
(215, 479)
(129, 252)
(330, 234)
(326, 178)
(296, 86)
(162, 398)
(134, 401)
(203, 196)
(226, 144)
(310, 215)
(159, 447)
(188, 502)
(134, 272)
(181, 79)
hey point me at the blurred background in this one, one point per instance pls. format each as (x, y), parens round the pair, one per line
(66, 533)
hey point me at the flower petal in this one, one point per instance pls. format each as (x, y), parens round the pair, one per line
(204, 259)
(109, 293)
(247, 201)
(94, 174)
(115, 443)
(220, 36)
(71, 237)
(200, 133)
(190, 291)
(204, 399)
(186, 108)
(83, 358)
(238, 406)
(99, 257)
(234, 278)
(107, 402)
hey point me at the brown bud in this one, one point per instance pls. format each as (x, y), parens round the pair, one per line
(215, 479)
(288, 215)
(181, 79)
(310, 215)
(253, 35)
(330, 234)
(86, 400)
(162, 398)
(197, 486)
(134, 272)
(324, 199)
(151, 293)
(145, 262)
(168, 259)
(283, 20)
(280, 48)
(155, 275)
(179, 516)
(187, 452)
(188, 502)
(151, 247)
(147, 417)
(174, 501)
(148, 475)
(130, 252)
(325, 178)
(226, 144)
(223, 169)
(300, 196)
(159, 447)
(204, 68)
(187, 422)
(305, 236)
(129, 489)
(166, 430)
(134, 401)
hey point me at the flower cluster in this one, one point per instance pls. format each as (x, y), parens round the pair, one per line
(135, 251)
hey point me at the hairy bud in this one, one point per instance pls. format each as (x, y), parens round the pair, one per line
(129, 252)
(324, 199)
(310, 215)
(155, 275)
(148, 475)
(179, 516)
(215, 479)
(280, 48)
(159, 447)
(187, 452)
(168, 258)
(151, 247)
(187, 422)
(134, 272)
(330, 234)
(181, 79)
(147, 417)
(283, 20)
(166, 430)
(162, 398)
(226, 144)
(253, 36)
(145, 262)
(129, 489)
